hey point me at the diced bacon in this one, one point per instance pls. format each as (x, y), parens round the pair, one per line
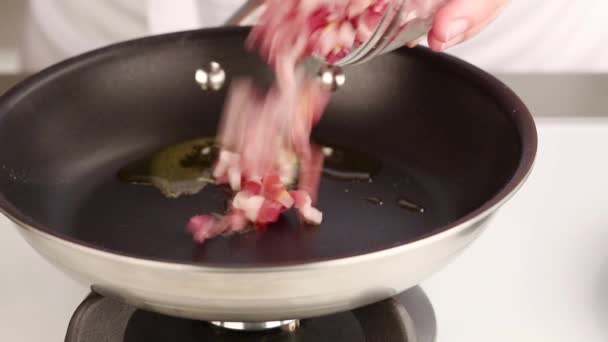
(242, 98)
(234, 177)
(272, 186)
(226, 160)
(199, 224)
(274, 189)
(250, 205)
(312, 103)
(301, 198)
(312, 215)
(252, 188)
(328, 40)
(318, 19)
(285, 199)
(357, 7)
(337, 54)
(204, 227)
(303, 203)
(370, 20)
(237, 220)
(222, 180)
(310, 173)
(264, 135)
(331, 29)
(287, 166)
(263, 159)
(364, 30)
(269, 212)
(346, 34)
(380, 6)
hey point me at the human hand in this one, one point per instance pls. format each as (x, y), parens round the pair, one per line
(459, 20)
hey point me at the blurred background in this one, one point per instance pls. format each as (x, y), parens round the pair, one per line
(11, 15)
(546, 36)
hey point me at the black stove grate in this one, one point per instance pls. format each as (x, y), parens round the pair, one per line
(406, 318)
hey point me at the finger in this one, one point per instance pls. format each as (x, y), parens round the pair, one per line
(414, 43)
(460, 20)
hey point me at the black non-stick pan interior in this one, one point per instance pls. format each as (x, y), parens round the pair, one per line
(447, 138)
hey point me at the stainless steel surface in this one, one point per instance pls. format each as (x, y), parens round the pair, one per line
(288, 325)
(257, 294)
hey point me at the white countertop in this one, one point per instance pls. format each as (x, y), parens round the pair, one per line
(539, 273)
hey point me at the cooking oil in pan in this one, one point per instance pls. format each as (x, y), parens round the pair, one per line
(182, 169)
(374, 200)
(408, 205)
(349, 165)
(186, 168)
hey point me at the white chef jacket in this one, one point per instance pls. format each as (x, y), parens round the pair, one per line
(530, 36)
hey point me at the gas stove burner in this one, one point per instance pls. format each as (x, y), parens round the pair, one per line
(289, 325)
(408, 317)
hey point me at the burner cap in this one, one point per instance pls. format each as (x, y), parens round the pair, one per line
(406, 318)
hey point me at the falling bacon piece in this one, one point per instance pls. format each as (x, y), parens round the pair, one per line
(269, 213)
(274, 189)
(312, 102)
(263, 135)
(272, 186)
(204, 227)
(303, 203)
(252, 188)
(259, 155)
(236, 220)
(199, 225)
(311, 169)
(249, 204)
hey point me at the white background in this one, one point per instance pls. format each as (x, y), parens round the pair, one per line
(11, 12)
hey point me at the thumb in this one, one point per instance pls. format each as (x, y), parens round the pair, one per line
(460, 20)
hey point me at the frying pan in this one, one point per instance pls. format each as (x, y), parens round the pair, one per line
(447, 136)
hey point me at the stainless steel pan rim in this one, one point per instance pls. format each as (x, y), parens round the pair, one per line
(276, 269)
(232, 294)
(486, 83)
